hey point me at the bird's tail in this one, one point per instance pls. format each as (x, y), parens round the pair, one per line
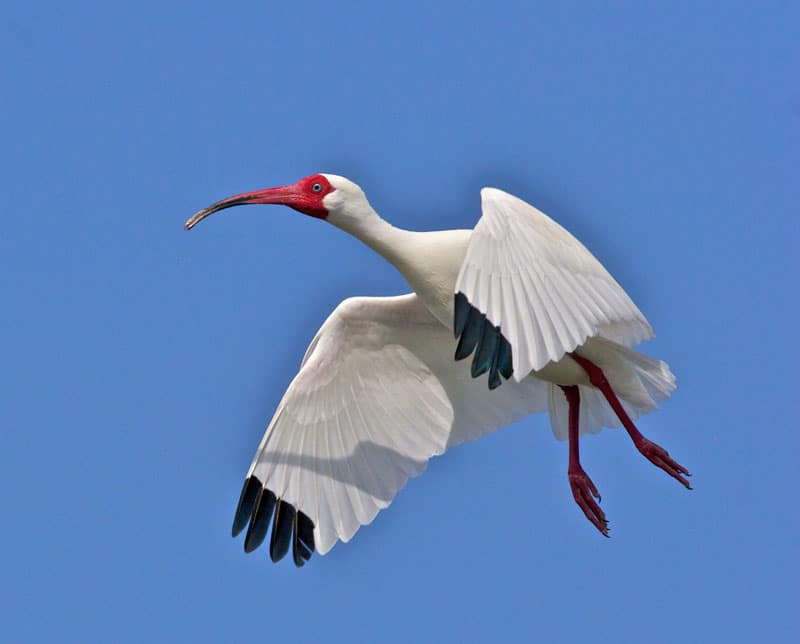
(640, 382)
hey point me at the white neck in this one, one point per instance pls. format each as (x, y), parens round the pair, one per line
(429, 261)
(361, 221)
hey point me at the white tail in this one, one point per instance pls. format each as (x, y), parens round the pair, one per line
(640, 382)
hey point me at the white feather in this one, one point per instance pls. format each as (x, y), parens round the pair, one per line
(377, 395)
(555, 294)
(639, 381)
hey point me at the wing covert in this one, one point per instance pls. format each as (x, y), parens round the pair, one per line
(542, 290)
(377, 395)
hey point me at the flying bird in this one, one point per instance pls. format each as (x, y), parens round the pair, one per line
(385, 384)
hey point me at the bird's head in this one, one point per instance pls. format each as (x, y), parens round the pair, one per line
(324, 196)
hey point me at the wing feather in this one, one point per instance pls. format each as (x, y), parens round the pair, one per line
(548, 294)
(377, 395)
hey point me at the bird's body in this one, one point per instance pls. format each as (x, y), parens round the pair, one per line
(380, 391)
(431, 262)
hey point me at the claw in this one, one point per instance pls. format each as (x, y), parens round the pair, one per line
(654, 453)
(583, 489)
(659, 457)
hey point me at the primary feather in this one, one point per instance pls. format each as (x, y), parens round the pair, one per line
(378, 394)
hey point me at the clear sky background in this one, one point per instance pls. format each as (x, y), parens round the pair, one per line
(141, 363)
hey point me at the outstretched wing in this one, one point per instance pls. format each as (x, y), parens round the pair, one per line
(377, 395)
(533, 292)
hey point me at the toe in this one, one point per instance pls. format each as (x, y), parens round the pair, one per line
(672, 471)
(658, 456)
(584, 492)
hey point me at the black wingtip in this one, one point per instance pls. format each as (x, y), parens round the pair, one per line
(504, 363)
(289, 528)
(303, 539)
(460, 313)
(244, 510)
(259, 523)
(473, 330)
(306, 531)
(281, 531)
(477, 334)
(486, 350)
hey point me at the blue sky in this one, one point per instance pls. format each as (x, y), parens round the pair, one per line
(141, 363)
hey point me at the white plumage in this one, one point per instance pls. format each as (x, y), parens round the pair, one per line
(379, 391)
(541, 286)
(377, 395)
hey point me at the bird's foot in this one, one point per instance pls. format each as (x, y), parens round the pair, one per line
(585, 493)
(659, 457)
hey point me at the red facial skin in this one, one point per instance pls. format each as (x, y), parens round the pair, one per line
(304, 196)
(307, 200)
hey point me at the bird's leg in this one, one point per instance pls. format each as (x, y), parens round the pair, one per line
(653, 452)
(583, 490)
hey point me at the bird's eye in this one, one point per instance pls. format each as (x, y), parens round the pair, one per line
(317, 187)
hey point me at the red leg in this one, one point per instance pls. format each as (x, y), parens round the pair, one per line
(654, 453)
(583, 488)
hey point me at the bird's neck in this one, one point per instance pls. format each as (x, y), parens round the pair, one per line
(429, 261)
(394, 244)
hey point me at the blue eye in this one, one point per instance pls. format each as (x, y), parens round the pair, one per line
(317, 187)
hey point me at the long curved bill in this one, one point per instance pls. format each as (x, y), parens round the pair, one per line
(285, 195)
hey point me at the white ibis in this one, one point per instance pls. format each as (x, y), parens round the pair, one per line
(383, 387)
